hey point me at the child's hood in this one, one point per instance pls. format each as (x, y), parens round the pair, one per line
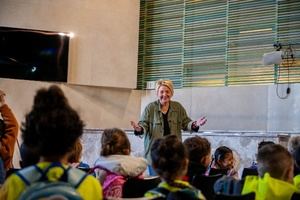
(124, 165)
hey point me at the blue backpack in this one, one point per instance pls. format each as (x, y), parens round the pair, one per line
(38, 185)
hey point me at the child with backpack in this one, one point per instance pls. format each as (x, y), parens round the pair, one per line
(170, 161)
(115, 163)
(51, 128)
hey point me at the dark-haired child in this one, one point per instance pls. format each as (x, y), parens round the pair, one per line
(223, 159)
(170, 161)
(199, 150)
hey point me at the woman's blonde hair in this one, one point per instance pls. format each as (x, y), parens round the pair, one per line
(167, 83)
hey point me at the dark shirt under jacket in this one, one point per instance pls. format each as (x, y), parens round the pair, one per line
(166, 124)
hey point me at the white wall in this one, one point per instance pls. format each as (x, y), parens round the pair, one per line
(284, 114)
(246, 108)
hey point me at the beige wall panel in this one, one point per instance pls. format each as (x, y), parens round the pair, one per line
(104, 49)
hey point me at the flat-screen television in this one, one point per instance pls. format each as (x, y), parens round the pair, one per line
(34, 54)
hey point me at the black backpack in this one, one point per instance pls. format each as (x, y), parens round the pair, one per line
(38, 185)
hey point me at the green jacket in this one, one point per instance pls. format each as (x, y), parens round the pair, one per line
(152, 123)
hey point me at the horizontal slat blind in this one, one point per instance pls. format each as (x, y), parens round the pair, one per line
(204, 43)
(163, 39)
(216, 43)
(289, 33)
(251, 33)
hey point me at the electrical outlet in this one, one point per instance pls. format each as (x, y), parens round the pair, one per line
(150, 85)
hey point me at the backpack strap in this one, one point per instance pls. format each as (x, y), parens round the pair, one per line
(33, 174)
(30, 174)
(76, 176)
(160, 192)
(99, 167)
(164, 192)
(63, 177)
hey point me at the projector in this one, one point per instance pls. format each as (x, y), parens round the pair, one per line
(272, 58)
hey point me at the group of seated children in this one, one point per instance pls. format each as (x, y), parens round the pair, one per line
(201, 161)
(275, 180)
(51, 152)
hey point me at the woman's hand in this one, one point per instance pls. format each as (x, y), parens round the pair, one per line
(201, 121)
(135, 126)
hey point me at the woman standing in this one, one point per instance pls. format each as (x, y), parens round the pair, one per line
(164, 117)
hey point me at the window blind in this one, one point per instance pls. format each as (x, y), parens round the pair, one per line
(216, 43)
(162, 52)
(204, 43)
(251, 33)
(288, 32)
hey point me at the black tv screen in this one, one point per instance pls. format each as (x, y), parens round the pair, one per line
(33, 54)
